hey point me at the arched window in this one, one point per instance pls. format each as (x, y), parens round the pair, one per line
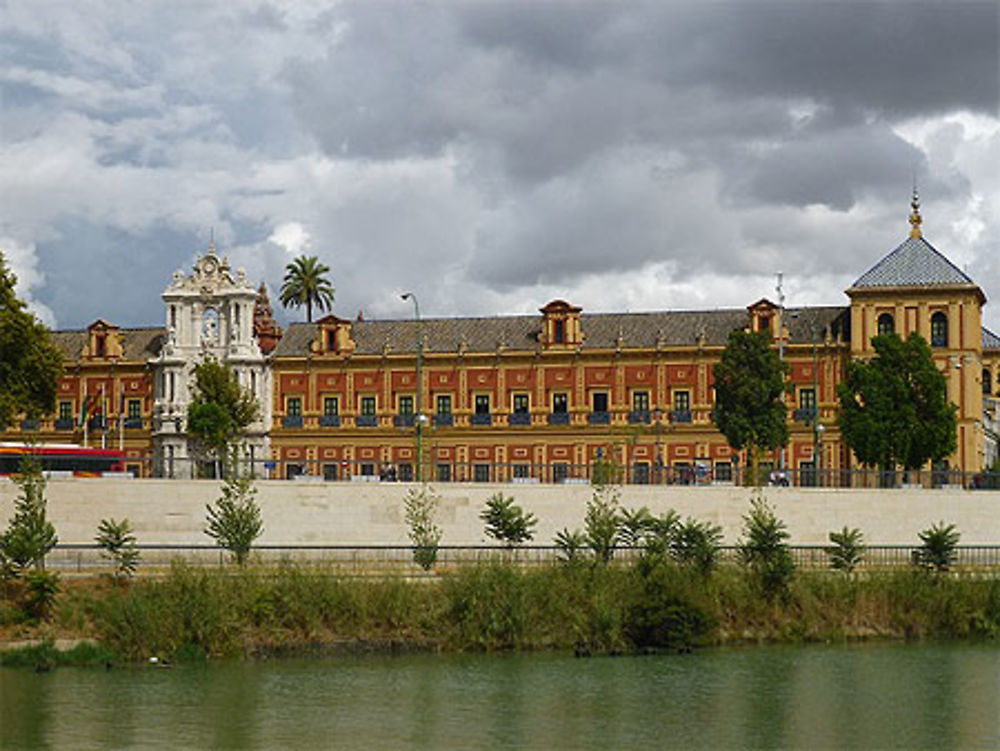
(987, 381)
(939, 330)
(886, 324)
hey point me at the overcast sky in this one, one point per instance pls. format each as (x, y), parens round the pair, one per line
(493, 156)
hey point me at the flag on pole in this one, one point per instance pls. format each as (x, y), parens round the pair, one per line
(85, 410)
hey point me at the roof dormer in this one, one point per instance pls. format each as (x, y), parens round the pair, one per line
(333, 336)
(765, 316)
(561, 326)
(104, 341)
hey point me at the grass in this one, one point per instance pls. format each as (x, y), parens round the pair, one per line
(191, 614)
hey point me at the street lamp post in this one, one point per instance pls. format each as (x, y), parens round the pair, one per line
(419, 419)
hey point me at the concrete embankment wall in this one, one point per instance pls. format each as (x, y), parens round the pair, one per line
(173, 511)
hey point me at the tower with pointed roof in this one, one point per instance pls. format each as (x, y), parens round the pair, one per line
(915, 288)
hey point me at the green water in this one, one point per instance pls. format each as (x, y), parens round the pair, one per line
(869, 696)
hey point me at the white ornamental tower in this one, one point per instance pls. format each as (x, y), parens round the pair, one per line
(209, 315)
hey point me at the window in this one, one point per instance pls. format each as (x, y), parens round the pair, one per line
(886, 324)
(724, 471)
(406, 404)
(331, 406)
(444, 404)
(682, 401)
(560, 332)
(173, 317)
(599, 401)
(522, 471)
(443, 472)
(482, 404)
(405, 472)
(640, 401)
(368, 406)
(134, 408)
(481, 473)
(293, 406)
(560, 471)
(99, 346)
(764, 323)
(66, 409)
(521, 404)
(939, 330)
(560, 403)
(987, 385)
(331, 341)
(368, 469)
(807, 398)
(329, 472)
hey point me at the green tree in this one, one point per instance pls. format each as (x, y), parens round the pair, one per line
(30, 535)
(938, 548)
(749, 384)
(602, 523)
(220, 408)
(234, 520)
(763, 549)
(847, 549)
(570, 545)
(420, 510)
(507, 522)
(305, 284)
(117, 545)
(30, 364)
(894, 408)
(696, 544)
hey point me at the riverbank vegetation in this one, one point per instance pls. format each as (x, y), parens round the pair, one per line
(591, 609)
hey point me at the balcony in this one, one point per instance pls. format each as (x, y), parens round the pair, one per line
(444, 420)
(519, 418)
(481, 419)
(292, 421)
(680, 415)
(639, 417)
(28, 425)
(97, 423)
(367, 421)
(599, 418)
(805, 414)
(329, 421)
(403, 421)
(133, 423)
(64, 423)
(559, 418)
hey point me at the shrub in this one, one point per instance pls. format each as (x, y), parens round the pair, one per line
(570, 545)
(847, 550)
(117, 544)
(938, 547)
(601, 523)
(697, 545)
(763, 548)
(234, 520)
(420, 512)
(507, 522)
(40, 594)
(664, 615)
(30, 535)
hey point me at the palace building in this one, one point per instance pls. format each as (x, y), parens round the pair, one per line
(512, 398)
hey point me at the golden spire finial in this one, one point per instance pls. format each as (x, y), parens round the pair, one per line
(915, 218)
(211, 240)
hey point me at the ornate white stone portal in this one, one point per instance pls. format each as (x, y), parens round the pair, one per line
(209, 315)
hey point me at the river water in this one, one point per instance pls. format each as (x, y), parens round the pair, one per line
(934, 696)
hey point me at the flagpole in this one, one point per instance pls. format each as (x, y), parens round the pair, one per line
(83, 412)
(104, 418)
(121, 420)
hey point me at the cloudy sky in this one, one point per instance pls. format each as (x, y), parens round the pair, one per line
(493, 156)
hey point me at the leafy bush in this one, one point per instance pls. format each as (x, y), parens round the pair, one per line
(664, 614)
(117, 544)
(697, 545)
(570, 544)
(40, 594)
(847, 550)
(763, 548)
(420, 508)
(234, 520)
(507, 522)
(601, 523)
(938, 547)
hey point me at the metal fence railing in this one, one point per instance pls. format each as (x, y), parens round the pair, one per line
(692, 474)
(383, 559)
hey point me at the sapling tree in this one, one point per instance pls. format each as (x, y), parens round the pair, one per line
(30, 535)
(570, 544)
(506, 522)
(847, 549)
(763, 549)
(601, 523)
(938, 549)
(234, 520)
(420, 509)
(117, 545)
(696, 544)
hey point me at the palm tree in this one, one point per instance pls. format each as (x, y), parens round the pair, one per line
(305, 285)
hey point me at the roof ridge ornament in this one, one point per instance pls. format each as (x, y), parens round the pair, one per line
(915, 218)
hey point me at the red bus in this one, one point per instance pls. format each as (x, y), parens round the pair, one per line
(64, 458)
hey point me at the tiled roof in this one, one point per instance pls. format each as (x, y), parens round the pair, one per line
(990, 340)
(915, 263)
(137, 344)
(600, 330)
